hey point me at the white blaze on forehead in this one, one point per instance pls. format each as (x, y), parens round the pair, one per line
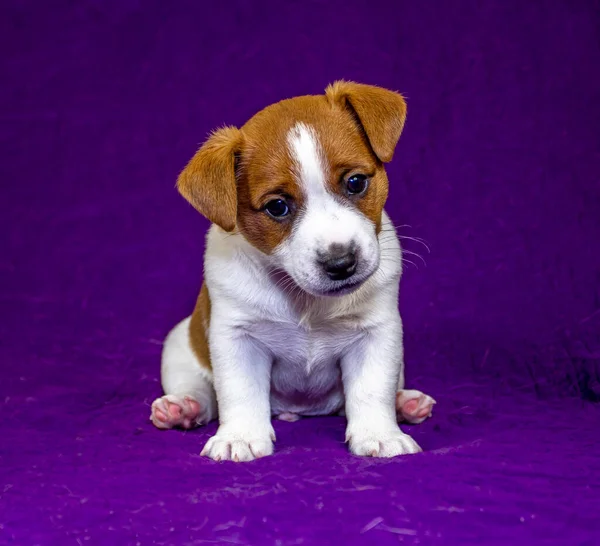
(309, 157)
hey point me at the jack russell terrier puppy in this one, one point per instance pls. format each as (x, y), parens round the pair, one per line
(298, 314)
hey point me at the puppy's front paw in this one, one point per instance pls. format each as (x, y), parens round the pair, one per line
(384, 444)
(239, 445)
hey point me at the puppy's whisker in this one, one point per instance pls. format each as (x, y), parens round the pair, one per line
(287, 286)
(411, 253)
(395, 261)
(416, 240)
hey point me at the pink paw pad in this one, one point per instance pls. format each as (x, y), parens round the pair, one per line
(288, 416)
(172, 411)
(413, 406)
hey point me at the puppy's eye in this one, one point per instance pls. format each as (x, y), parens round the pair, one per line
(357, 184)
(277, 208)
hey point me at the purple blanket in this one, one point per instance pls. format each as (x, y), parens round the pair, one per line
(498, 171)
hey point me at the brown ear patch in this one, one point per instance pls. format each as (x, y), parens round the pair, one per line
(380, 112)
(208, 180)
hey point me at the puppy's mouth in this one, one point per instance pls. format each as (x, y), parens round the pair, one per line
(342, 289)
(346, 288)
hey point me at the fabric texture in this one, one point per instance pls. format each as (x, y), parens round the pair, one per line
(498, 171)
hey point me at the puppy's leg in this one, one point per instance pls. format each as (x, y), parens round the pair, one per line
(412, 406)
(242, 378)
(189, 398)
(370, 372)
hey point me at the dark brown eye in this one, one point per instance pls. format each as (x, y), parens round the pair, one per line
(277, 208)
(357, 184)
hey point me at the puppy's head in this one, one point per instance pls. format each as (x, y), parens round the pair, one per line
(303, 181)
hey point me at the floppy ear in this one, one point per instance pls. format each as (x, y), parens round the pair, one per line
(208, 180)
(380, 112)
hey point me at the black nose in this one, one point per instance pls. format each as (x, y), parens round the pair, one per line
(339, 263)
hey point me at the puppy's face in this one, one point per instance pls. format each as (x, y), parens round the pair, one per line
(311, 194)
(303, 181)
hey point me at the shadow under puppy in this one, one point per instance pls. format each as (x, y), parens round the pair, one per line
(298, 314)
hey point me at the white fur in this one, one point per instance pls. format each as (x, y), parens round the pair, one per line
(310, 159)
(278, 347)
(180, 373)
(326, 220)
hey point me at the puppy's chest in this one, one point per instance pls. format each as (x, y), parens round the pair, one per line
(307, 346)
(305, 373)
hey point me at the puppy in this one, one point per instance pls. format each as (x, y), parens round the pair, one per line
(298, 313)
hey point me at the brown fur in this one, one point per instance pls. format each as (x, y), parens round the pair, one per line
(199, 328)
(381, 113)
(208, 180)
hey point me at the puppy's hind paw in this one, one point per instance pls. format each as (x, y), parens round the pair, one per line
(171, 411)
(413, 406)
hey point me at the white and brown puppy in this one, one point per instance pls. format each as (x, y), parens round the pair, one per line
(298, 314)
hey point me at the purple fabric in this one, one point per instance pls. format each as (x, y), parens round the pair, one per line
(498, 171)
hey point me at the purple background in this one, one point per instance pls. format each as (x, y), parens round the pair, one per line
(497, 170)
